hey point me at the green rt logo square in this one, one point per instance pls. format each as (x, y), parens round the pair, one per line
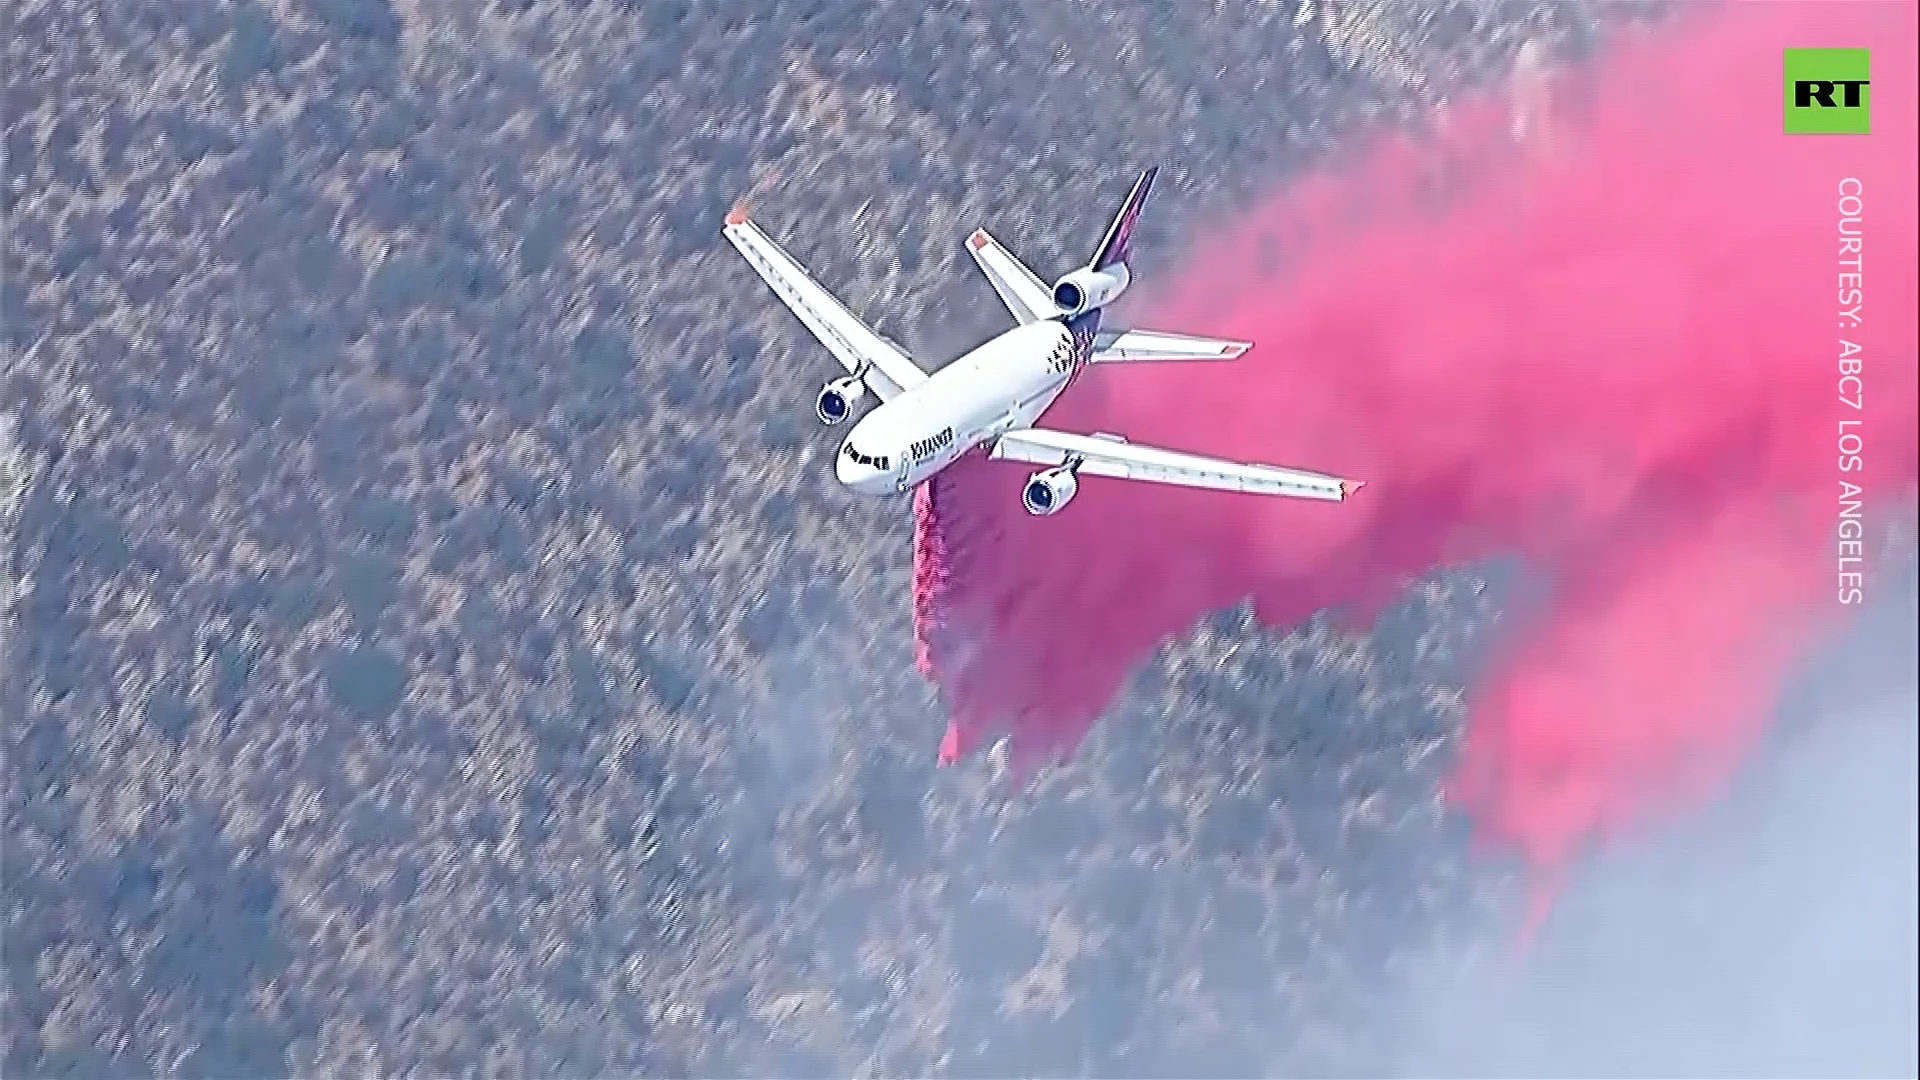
(1826, 91)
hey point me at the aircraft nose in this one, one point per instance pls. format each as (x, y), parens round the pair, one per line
(860, 477)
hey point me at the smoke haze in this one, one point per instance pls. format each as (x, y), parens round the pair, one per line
(1769, 934)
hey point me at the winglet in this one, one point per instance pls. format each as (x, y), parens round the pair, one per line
(978, 240)
(1348, 487)
(738, 215)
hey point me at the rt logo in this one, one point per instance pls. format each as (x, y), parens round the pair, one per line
(1826, 91)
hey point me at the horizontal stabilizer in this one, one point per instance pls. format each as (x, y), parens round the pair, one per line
(1132, 346)
(1024, 294)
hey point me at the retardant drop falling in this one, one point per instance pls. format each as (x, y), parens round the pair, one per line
(1618, 360)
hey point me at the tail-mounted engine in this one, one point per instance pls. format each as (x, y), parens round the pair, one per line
(1049, 492)
(837, 399)
(1085, 289)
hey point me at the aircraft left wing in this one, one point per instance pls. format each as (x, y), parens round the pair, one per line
(1110, 455)
(1123, 346)
(859, 349)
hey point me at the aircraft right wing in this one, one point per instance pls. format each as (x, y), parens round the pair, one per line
(1110, 455)
(1025, 295)
(859, 349)
(1124, 346)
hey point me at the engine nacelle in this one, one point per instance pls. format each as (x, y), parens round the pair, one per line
(837, 399)
(1084, 290)
(1049, 492)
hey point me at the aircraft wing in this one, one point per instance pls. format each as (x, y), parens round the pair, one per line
(1110, 455)
(1025, 295)
(1122, 346)
(855, 344)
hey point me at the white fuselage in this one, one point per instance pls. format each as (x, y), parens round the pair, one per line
(1002, 385)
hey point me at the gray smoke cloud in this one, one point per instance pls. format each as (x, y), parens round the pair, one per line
(1772, 934)
(1768, 933)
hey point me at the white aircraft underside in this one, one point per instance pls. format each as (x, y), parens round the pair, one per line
(992, 397)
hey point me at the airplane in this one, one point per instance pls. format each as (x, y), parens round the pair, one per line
(991, 398)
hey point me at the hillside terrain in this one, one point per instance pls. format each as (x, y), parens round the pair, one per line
(445, 652)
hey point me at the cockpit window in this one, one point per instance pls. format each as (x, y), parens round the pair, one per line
(874, 462)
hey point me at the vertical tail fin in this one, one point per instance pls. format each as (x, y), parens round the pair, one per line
(1113, 248)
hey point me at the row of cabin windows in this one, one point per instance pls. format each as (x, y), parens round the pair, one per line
(876, 462)
(925, 447)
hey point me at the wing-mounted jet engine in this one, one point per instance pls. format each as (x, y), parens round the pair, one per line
(1047, 493)
(837, 400)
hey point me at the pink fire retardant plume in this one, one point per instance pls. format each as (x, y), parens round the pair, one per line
(1618, 359)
